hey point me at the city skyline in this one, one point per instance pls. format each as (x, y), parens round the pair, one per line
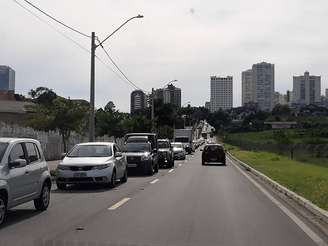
(56, 62)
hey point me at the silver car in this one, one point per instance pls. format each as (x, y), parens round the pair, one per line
(179, 151)
(101, 163)
(24, 175)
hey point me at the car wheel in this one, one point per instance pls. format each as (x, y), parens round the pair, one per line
(3, 209)
(150, 169)
(156, 168)
(172, 163)
(203, 163)
(124, 179)
(112, 183)
(61, 186)
(43, 201)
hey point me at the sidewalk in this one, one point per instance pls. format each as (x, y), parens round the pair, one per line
(53, 164)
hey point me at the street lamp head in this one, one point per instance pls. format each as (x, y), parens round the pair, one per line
(140, 16)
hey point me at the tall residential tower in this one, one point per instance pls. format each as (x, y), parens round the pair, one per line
(221, 93)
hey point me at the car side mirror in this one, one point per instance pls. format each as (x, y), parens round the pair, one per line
(17, 163)
(62, 156)
(118, 154)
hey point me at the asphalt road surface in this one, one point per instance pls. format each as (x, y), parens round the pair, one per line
(190, 205)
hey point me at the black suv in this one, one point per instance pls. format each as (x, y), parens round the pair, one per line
(213, 153)
(165, 153)
(141, 152)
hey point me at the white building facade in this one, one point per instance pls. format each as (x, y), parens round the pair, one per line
(306, 89)
(221, 93)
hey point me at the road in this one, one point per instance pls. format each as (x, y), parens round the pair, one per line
(190, 205)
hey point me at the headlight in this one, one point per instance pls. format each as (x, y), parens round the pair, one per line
(100, 167)
(63, 167)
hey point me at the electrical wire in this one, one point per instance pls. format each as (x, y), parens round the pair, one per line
(118, 68)
(56, 20)
(73, 41)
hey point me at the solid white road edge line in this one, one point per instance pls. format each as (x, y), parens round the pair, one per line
(119, 204)
(308, 231)
(154, 181)
(171, 170)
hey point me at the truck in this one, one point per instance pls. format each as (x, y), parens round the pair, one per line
(184, 136)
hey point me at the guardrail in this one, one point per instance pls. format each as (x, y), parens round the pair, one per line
(306, 204)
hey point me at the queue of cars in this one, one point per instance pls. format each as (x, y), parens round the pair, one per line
(25, 176)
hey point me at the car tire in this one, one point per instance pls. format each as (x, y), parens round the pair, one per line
(149, 169)
(172, 163)
(61, 186)
(124, 179)
(43, 201)
(203, 163)
(3, 208)
(156, 168)
(112, 182)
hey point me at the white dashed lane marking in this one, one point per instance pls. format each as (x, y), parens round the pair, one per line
(119, 204)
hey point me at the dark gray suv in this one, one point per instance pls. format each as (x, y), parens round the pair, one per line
(165, 153)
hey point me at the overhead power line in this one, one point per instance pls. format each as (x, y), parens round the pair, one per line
(56, 20)
(118, 68)
(76, 43)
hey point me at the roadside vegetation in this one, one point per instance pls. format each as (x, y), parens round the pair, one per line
(309, 181)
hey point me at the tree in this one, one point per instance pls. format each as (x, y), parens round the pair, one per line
(43, 95)
(61, 114)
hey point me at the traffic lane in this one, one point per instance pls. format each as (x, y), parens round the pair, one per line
(194, 205)
(66, 210)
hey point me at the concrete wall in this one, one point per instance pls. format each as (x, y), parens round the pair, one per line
(51, 141)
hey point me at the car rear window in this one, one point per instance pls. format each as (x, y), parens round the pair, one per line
(214, 148)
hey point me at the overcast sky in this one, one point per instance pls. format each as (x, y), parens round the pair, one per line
(178, 39)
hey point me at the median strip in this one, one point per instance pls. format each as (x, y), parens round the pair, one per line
(154, 181)
(119, 204)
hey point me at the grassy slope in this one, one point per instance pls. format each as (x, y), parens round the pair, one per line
(309, 181)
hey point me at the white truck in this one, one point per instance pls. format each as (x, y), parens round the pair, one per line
(185, 136)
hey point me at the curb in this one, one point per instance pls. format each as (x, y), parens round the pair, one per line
(321, 214)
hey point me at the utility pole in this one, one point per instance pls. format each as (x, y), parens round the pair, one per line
(92, 89)
(152, 110)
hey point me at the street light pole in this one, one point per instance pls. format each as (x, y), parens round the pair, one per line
(92, 89)
(92, 76)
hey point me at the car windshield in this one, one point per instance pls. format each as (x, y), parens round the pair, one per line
(182, 139)
(3, 147)
(163, 145)
(176, 145)
(137, 147)
(90, 151)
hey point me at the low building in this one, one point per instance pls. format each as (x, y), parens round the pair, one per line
(15, 112)
(282, 124)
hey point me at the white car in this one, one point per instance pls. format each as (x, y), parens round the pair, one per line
(96, 162)
(24, 175)
(179, 151)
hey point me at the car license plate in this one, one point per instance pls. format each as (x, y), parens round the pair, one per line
(80, 175)
(213, 159)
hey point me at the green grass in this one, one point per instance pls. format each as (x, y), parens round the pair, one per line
(309, 181)
(299, 136)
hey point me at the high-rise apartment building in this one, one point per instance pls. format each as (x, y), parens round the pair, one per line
(208, 105)
(170, 94)
(263, 75)
(306, 89)
(7, 79)
(247, 87)
(258, 86)
(221, 93)
(138, 100)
